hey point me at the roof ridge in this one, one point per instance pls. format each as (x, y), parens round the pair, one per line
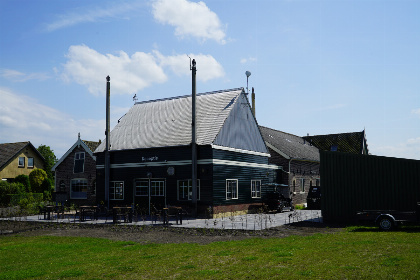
(280, 131)
(186, 96)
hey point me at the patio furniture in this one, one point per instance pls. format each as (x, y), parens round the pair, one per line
(172, 211)
(122, 214)
(88, 211)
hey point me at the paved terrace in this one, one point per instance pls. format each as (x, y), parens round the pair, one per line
(242, 222)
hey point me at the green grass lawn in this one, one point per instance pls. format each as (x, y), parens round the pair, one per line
(354, 253)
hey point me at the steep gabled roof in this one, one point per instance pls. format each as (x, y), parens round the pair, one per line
(288, 145)
(8, 151)
(352, 142)
(88, 146)
(167, 122)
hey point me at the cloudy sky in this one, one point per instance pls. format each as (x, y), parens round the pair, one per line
(318, 67)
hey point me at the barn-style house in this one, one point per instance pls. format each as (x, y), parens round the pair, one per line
(151, 155)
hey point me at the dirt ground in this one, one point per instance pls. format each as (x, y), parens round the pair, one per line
(158, 234)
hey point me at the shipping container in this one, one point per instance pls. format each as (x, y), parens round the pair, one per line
(351, 183)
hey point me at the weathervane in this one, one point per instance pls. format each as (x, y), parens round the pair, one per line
(135, 98)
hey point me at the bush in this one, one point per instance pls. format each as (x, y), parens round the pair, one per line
(36, 179)
(7, 189)
(24, 180)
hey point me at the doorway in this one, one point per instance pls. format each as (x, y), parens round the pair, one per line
(150, 194)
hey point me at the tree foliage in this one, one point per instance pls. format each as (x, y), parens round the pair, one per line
(24, 180)
(50, 159)
(36, 179)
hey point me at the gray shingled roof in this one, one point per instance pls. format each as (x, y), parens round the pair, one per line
(289, 145)
(167, 122)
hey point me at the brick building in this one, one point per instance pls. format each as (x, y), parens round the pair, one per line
(298, 159)
(75, 174)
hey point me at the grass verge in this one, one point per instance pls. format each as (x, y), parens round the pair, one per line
(355, 253)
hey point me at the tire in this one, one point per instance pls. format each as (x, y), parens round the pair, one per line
(386, 223)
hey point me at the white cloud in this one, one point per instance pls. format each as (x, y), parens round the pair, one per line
(416, 112)
(190, 19)
(249, 59)
(87, 14)
(207, 66)
(16, 76)
(409, 149)
(128, 74)
(23, 118)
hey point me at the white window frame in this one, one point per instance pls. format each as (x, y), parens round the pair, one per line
(33, 162)
(230, 194)
(188, 186)
(157, 190)
(71, 188)
(113, 188)
(23, 164)
(256, 188)
(140, 187)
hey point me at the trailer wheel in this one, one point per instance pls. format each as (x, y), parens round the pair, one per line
(386, 223)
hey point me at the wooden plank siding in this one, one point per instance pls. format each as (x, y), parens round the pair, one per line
(129, 165)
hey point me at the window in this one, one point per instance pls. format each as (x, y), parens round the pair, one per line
(78, 188)
(302, 185)
(185, 189)
(142, 188)
(30, 162)
(116, 191)
(79, 162)
(318, 182)
(157, 188)
(231, 189)
(21, 162)
(294, 186)
(256, 188)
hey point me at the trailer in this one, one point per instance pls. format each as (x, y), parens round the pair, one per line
(390, 219)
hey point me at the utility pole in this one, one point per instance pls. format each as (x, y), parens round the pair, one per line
(107, 133)
(194, 137)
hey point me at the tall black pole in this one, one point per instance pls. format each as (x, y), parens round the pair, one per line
(107, 133)
(194, 137)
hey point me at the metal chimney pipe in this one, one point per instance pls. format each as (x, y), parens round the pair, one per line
(253, 101)
(107, 145)
(194, 137)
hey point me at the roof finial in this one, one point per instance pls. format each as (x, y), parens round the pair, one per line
(78, 135)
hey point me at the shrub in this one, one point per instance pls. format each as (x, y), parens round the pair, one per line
(8, 189)
(36, 179)
(24, 180)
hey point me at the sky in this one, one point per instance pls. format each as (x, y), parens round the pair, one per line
(318, 67)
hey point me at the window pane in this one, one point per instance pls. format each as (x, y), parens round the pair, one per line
(231, 189)
(78, 188)
(79, 162)
(30, 162)
(21, 162)
(142, 188)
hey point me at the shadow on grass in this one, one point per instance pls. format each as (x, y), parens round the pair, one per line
(402, 228)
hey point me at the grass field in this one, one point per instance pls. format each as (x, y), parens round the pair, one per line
(355, 253)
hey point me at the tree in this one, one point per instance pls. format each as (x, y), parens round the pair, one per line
(37, 178)
(50, 159)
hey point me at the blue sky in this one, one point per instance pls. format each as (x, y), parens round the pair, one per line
(318, 67)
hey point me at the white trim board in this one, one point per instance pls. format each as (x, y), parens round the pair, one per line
(188, 162)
